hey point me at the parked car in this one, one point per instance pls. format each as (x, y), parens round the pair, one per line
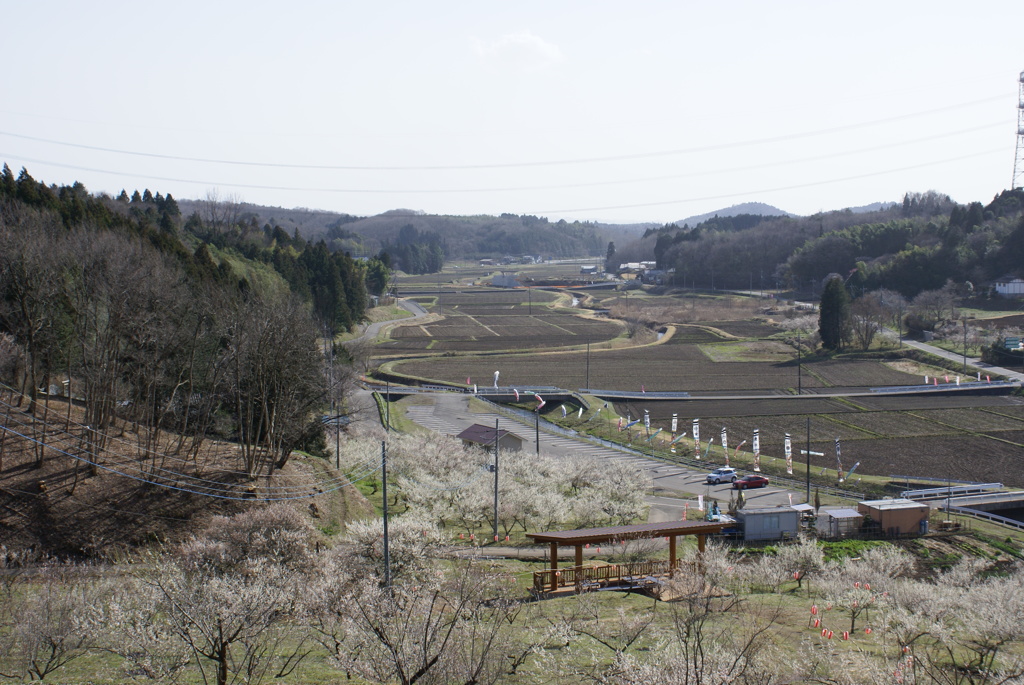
(722, 475)
(751, 481)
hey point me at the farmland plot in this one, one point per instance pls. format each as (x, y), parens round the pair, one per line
(856, 373)
(501, 332)
(689, 334)
(957, 457)
(1006, 404)
(655, 368)
(745, 329)
(974, 421)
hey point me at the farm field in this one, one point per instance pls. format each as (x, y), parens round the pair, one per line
(964, 437)
(659, 368)
(978, 443)
(498, 320)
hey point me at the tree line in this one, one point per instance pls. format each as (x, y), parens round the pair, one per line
(100, 303)
(909, 248)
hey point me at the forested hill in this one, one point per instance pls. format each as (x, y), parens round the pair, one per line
(919, 244)
(461, 237)
(219, 252)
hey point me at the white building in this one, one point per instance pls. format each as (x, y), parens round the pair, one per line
(1010, 287)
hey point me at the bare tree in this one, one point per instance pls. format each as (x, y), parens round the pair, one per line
(29, 277)
(277, 378)
(442, 630)
(229, 595)
(868, 317)
(47, 623)
(221, 210)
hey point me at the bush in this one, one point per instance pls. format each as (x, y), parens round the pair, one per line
(275, 533)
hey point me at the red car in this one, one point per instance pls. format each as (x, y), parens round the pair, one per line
(750, 481)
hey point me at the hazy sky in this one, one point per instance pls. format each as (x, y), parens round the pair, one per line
(612, 111)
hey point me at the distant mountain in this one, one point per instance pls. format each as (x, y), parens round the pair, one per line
(755, 208)
(873, 207)
(761, 209)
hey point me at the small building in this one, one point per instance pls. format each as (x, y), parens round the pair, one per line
(483, 436)
(897, 516)
(840, 523)
(768, 523)
(653, 277)
(1010, 286)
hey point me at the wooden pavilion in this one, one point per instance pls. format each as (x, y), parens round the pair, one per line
(580, 577)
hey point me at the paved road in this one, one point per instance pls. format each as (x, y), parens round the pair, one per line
(971, 361)
(373, 329)
(449, 414)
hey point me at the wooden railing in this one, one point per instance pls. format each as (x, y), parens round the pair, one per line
(592, 577)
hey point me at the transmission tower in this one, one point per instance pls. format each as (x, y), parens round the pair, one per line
(1018, 160)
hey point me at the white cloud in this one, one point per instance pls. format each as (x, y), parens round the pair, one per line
(522, 51)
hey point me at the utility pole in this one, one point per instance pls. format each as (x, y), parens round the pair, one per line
(384, 492)
(536, 436)
(588, 365)
(799, 366)
(808, 474)
(495, 480)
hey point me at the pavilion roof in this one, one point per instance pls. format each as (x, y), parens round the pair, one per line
(633, 532)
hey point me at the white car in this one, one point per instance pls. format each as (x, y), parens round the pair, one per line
(722, 475)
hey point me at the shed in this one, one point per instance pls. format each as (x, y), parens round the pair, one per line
(841, 522)
(897, 516)
(483, 436)
(768, 523)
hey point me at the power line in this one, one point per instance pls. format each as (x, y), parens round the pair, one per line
(166, 475)
(748, 193)
(507, 189)
(506, 165)
(174, 480)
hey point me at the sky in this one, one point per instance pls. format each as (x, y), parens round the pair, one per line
(605, 111)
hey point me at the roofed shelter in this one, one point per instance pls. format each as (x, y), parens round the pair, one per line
(483, 436)
(551, 579)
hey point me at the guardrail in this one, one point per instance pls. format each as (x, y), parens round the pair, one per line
(922, 479)
(634, 393)
(995, 518)
(523, 390)
(1008, 495)
(951, 491)
(973, 385)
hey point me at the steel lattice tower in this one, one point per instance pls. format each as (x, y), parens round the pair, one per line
(1018, 161)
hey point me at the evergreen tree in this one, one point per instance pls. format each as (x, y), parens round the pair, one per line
(834, 315)
(8, 186)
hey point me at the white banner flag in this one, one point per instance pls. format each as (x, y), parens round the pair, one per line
(696, 437)
(700, 502)
(675, 423)
(757, 449)
(647, 419)
(839, 462)
(725, 445)
(789, 455)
